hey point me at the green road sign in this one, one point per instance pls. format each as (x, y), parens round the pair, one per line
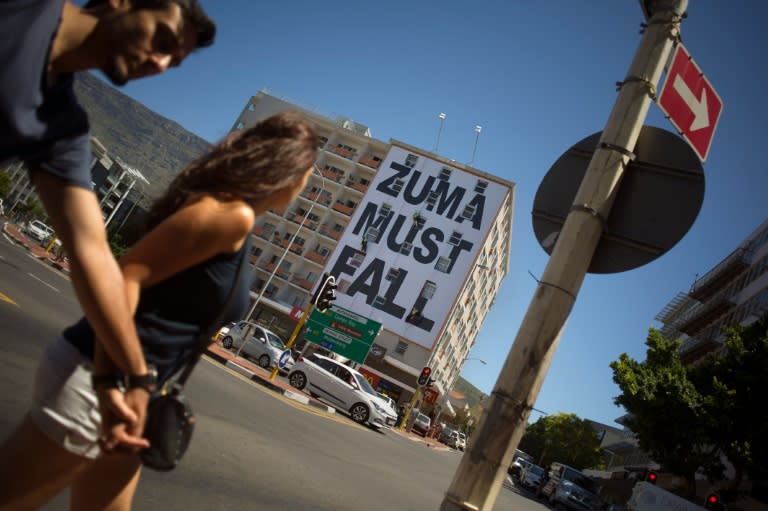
(342, 331)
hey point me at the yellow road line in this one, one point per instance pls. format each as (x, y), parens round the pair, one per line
(6, 298)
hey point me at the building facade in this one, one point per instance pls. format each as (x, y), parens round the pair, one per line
(417, 242)
(118, 186)
(734, 292)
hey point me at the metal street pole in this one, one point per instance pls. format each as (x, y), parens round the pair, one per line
(483, 467)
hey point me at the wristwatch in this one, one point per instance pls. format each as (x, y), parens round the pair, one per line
(147, 381)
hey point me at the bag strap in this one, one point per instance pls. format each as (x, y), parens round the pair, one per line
(205, 339)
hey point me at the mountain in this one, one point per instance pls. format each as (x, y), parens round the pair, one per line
(471, 394)
(156, 146)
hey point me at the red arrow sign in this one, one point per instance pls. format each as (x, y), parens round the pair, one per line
(690, 102)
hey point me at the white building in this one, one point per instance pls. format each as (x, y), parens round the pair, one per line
(417, 242)
(734, 292)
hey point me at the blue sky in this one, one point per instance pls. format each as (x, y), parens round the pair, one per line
(538, 77)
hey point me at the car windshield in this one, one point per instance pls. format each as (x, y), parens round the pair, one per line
(364, 384)
(535, 469)
(462, 436)
(579, 479)
(275, 341)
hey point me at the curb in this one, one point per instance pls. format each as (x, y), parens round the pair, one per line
(295, 396)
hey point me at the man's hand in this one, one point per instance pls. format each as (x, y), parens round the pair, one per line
(122, 419)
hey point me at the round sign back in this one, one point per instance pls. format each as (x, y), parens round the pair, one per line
(659, 198)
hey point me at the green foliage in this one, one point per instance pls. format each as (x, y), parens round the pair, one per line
(5, 185)
(118, 246)
(30, 210)
(563, 437)
(685, 417)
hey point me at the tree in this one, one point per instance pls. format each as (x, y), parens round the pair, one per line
(5, 185)
(30, 210)
(118, 246)
(562, 437)
(732, 382)
(667, 412)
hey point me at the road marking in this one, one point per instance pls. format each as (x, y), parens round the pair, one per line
(43, 282)
(7, 299)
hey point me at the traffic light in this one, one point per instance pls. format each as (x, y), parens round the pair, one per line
(713, 502)
(430, 382)
(651, 476)
(326, 293)
(424, 376)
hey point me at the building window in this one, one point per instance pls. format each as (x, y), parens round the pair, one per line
(357, 259)
(410, 160)
(481, 186)
(445, 174)
(393, 274)
(468, 213)
(372, 234)
(240, 125)
(406, 248)
(455, 238)
(379, 302)
(443, 263)
(401, 348)
(398, 185)
(432, 198)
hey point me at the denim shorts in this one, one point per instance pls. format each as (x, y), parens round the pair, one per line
(64, 405)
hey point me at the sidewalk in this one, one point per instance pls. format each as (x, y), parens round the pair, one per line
(258, 375)
(13, 232)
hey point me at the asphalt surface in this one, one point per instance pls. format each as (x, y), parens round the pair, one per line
(254, 446)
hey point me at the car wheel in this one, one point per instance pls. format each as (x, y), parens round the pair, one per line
(264, 361)
(359, 413)
(227, 342)
(298, 380)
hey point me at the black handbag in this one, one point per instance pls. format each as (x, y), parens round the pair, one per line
(170, 420)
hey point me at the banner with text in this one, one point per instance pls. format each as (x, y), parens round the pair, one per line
(412, 241)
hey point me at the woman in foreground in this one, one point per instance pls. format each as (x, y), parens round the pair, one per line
(178, 278)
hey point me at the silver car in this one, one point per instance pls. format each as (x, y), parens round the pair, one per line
(256, 342)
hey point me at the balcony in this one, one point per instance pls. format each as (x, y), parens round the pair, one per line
(324, 199)
(296, 248)
(370, 161)
(694, 349)
(315, 257)
(356, 185)
(343, 208)
(304, 284)
(702, 316)
(721, 275)
(270, 268)
(327, 231)
(344, 152)
(279, 212)
(336, 177)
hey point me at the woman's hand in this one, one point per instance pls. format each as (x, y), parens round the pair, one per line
(122, 419)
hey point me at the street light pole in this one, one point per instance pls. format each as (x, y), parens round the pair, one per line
(483, 467)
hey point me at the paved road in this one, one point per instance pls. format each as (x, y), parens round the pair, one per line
(253, 448)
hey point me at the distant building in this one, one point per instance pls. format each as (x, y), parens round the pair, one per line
(734, 292)
(117, 186)
(417, 242)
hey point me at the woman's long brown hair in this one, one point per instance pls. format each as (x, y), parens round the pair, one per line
(249, 165)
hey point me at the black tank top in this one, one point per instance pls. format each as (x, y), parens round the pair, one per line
(172, 315)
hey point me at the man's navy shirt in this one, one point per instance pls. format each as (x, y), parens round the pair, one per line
(41, 123)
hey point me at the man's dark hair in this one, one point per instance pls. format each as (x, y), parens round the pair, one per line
(190, 9)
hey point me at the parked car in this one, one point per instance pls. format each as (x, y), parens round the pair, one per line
(256, 342)
(38, 231)
(457, 440)
(342, 387)
(388, 407)
(517, 466)
(571, 488)
(531, 476)
(223, 331)
(445, 435)
(421, 424)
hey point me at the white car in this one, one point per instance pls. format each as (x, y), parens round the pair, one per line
(256, 342)
(342, 387)
(38, 231)
(389, 406)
